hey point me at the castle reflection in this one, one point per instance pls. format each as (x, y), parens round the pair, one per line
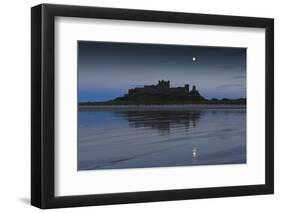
(163, 121)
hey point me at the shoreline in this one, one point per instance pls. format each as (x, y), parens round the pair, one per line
(162, 107)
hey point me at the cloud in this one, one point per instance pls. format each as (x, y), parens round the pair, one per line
(228, 86)
(135, 85)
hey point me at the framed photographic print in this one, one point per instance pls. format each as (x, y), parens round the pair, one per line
(139, 106)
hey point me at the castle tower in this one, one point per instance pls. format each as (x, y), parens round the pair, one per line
(186, 88)
(163, 84)
(194, 88)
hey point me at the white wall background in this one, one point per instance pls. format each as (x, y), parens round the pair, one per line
(15, 105)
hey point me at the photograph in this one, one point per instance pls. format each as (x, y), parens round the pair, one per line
(144, 105)
(138, 105)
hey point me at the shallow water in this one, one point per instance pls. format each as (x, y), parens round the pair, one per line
(133, 138)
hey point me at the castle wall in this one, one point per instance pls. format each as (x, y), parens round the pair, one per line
(163, 87)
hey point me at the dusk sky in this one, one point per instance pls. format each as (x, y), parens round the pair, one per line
(107, 70)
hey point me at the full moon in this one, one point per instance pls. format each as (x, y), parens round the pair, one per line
(193, 59)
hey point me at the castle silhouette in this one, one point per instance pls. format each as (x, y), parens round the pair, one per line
(160, 93)
(163, 88)
(163, 93)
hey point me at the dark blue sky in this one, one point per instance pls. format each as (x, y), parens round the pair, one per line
(107, 70)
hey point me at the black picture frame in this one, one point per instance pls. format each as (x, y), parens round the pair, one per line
(43, 113)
